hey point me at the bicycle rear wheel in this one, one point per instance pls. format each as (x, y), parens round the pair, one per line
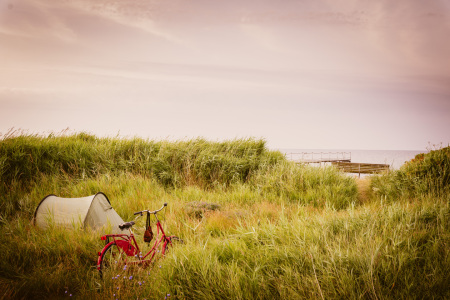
(174, 240)
(111, 260)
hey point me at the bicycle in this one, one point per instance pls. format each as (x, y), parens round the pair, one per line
(123, 249)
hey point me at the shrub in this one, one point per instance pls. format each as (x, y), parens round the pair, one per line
(426, 174)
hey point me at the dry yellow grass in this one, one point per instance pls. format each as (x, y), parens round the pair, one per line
(363, 185)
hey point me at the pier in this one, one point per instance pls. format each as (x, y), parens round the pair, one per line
(341, 160)
(319, 157)
(361, 168)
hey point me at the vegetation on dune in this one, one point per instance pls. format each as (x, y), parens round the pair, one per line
(255, 225)
(28, 160)
(175, 164)
(426, 174)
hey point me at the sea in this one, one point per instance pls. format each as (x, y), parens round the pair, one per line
(394, 158)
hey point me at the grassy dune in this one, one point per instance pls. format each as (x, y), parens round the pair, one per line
(280, 231)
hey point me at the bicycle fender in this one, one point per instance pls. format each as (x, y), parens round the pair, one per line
(127, 247)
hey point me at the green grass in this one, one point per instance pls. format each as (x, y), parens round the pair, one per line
(426, 174)
(279, 231)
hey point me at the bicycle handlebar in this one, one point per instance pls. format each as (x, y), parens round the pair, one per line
(150, 212)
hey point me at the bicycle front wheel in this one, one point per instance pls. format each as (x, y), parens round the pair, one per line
(112, 259)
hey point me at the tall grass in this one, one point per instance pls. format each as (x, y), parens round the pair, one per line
(29, 160)
(280, 231)
(389, 254)
(259, 250)
(426, 174)
(39, 264)
(25, 158)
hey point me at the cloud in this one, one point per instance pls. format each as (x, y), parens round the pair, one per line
(403, 36)
(137, 14)
(35, 19)
(5, 91)
(195, 65)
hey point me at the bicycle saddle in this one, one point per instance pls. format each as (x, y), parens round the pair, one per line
(126, 225)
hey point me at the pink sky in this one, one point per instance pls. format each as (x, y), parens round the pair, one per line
(336, 74)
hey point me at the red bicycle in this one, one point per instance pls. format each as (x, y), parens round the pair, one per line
(122, 249)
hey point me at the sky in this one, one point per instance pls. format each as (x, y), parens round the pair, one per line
(301, 74)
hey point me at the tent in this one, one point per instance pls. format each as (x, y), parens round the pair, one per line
(93, 211)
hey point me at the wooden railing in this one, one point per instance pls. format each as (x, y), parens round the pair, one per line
(318, 157)
(361, 168)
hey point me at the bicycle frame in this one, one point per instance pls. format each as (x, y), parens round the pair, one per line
(127, 244)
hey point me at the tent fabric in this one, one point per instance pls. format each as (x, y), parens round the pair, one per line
(93, 211)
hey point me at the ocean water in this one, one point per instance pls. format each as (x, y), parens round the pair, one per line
(394, 158)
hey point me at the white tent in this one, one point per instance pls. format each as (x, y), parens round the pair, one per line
(93, 211)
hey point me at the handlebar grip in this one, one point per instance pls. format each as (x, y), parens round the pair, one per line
(126, 225)
(165, 204)
(138, 213)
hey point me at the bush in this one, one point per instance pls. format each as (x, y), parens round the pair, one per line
(426, 174)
